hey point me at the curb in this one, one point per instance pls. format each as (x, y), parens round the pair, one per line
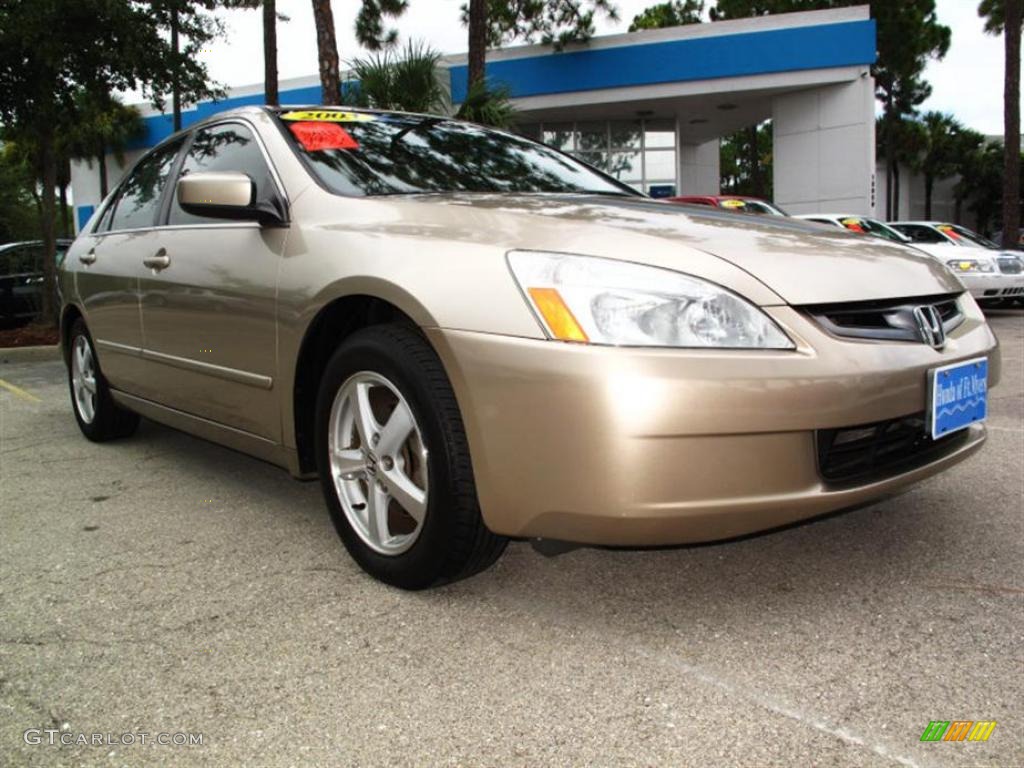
(29, 354)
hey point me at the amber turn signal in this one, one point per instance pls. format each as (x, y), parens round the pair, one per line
(559, 318)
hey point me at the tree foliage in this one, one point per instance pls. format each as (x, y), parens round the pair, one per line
(19, 216)
(370, 29)
(981, 185)
(940, 153)
(410, 81)
(994, 14)
(407, 80)
(488, 105)
(671, 14)
(102, 124)
(49, 49)
(745, 162)
(190, 27)
(554, 22)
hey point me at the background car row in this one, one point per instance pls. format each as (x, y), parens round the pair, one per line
(993, 275)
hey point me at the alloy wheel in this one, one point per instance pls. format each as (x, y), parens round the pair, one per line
(83, 379)
(378, 463)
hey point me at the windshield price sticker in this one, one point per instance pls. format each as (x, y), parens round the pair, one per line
(329, 116)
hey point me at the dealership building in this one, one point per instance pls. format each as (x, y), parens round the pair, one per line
(651, 106)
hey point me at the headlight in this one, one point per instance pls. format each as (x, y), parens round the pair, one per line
(969, 266)
(604, 301)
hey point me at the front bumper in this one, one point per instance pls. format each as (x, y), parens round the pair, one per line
(629, 446)
(997, 285)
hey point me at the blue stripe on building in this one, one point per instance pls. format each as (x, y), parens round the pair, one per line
(748, 53)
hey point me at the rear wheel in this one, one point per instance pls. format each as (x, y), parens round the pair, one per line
(98, 416)
(394, 462)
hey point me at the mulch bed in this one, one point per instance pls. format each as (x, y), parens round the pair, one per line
(29, 336)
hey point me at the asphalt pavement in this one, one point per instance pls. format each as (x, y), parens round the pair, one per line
(169, 587)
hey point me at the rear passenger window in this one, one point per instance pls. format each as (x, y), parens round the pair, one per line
(227, 147)
(138, 200)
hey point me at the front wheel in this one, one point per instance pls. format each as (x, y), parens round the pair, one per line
(394, 462)
(98, 416)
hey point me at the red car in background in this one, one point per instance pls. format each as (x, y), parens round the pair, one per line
(735, 203)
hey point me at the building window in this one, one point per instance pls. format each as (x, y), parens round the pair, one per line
(640, 153)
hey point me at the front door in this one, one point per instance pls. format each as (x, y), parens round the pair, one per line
(111, 262)
(209, 307)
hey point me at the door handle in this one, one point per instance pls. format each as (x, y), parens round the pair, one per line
(88, 258)
(159, 260)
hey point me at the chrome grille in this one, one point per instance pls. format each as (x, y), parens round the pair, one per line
(890, 320)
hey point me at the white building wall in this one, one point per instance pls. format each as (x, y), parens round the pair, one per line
(699, 168)
(824, 153)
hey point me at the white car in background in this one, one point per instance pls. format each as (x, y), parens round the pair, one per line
(991, 274)
(855, 223)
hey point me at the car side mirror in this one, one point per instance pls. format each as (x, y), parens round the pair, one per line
(227, 195)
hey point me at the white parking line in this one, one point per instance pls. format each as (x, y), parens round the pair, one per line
(767, 702)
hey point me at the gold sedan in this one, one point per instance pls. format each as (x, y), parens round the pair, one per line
(469, 336)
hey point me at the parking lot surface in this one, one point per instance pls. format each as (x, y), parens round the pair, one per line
(163, 585)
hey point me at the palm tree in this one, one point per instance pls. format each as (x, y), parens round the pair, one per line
(327, 52)
(1005, 16)
(488, 105)
(477, 23)
(407, 81)
(940, 154)
(270, 95)
(410, 81)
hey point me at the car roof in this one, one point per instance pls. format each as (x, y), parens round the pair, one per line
(252, 110)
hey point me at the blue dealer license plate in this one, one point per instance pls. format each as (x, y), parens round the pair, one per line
(957, 395)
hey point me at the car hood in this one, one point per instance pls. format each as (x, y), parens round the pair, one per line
(800, 262)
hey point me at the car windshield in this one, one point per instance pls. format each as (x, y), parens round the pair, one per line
(919, 233)
(872, 227)
(957, 232)
(759, 207)
(360, 153)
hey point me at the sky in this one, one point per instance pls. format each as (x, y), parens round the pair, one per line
(968, 83)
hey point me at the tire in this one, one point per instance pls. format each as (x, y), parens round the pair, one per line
(392, 367)
(98, 416)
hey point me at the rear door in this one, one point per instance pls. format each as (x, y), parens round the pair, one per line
(111, 263)
(209, 314)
